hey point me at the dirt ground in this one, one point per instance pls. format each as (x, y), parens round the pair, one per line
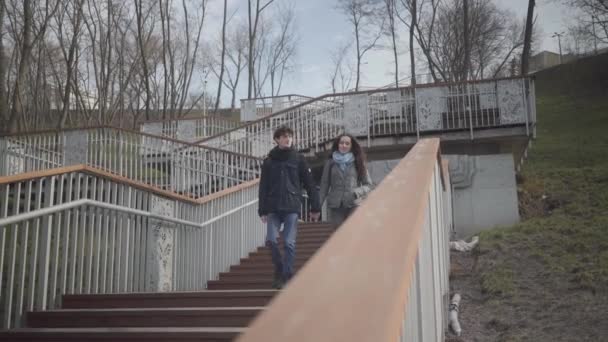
(538, 307)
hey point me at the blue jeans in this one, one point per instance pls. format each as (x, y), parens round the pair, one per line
(282, 266)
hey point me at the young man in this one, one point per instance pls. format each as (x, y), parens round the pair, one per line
(283, 173)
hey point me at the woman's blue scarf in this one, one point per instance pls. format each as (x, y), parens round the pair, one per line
(343, 159)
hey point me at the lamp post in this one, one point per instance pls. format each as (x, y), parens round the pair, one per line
(559, 42)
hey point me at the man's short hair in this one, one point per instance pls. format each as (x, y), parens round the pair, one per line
(281, 131)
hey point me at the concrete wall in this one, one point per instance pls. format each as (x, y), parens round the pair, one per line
(485, 192)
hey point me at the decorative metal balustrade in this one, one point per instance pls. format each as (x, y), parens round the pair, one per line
(253, 109)
(78, 230)
(189, 169)
(425, 109)
(189, 129)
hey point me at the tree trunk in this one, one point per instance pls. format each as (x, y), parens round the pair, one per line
(222, 67)
(144, 61)
(467, 46)
(392, 23)
(250, 53)
(412, 59)
(527, 39)
(70, 67)
(26, 48)
(358, 58)
(3, 99)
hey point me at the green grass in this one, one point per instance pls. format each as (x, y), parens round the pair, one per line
(563, 190)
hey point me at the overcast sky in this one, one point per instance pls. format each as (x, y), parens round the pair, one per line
(321, 27)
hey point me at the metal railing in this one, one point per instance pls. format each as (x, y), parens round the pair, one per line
(425, 109)
(189, 129)
(185, 168)
(77, 230)
(384, 271)
(253, 109)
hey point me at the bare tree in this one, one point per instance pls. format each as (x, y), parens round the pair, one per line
(178, 64)
(282, 49)
(69, 56)
(488, 31)
(223, 59)
(466, 40)
(253, 20)
(424, 29)
(591, 17)
(391, 9)
(3, 68)
(413, 14)
(236, 52)
(143, 41)
(362, 14)
(578, 40)
(525, 58)
(29, 38)
(340, 76)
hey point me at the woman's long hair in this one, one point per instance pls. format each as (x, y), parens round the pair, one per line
(357, 153)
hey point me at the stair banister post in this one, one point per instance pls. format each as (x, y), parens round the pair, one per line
(160, 246)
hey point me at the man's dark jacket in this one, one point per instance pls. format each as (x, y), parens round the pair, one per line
(283, 173)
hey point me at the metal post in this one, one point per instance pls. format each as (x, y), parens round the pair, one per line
(559, 42)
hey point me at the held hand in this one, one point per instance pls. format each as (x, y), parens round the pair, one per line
(264, 219)
(314, 216)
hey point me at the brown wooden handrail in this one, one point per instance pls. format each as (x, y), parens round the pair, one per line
(23, 177)
(355, 287)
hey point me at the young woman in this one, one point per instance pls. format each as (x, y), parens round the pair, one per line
(345, 181)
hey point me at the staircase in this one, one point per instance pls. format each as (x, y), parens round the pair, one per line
(219, 314)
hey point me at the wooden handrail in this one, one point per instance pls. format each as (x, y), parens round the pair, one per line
(355, 287)
(23, 177)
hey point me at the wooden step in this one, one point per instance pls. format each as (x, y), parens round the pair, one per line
(169, 299)
(305, 249)
(264, 265)
(268, 259)
(321, 230)
(308, 239)
(157, 334)
(252, 283)
(307, 253)
(148, 317)
(266, 274)
(299, 245)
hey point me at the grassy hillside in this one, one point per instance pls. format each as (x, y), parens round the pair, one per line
(546, 279)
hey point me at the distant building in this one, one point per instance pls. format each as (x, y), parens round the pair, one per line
(547, 59)
(543, 60)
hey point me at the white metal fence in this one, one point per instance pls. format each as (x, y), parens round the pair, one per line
(185, 168)
(189, 129)
(425, 312)
(425, 109)
(253, 109)
(80, 232)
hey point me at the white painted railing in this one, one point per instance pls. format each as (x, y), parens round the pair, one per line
(426, 109)
(189, 129)
(384, 271)
(185, 168)
(253, 109)
(79, 231)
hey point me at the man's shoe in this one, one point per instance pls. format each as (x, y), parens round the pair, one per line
(277, 282)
